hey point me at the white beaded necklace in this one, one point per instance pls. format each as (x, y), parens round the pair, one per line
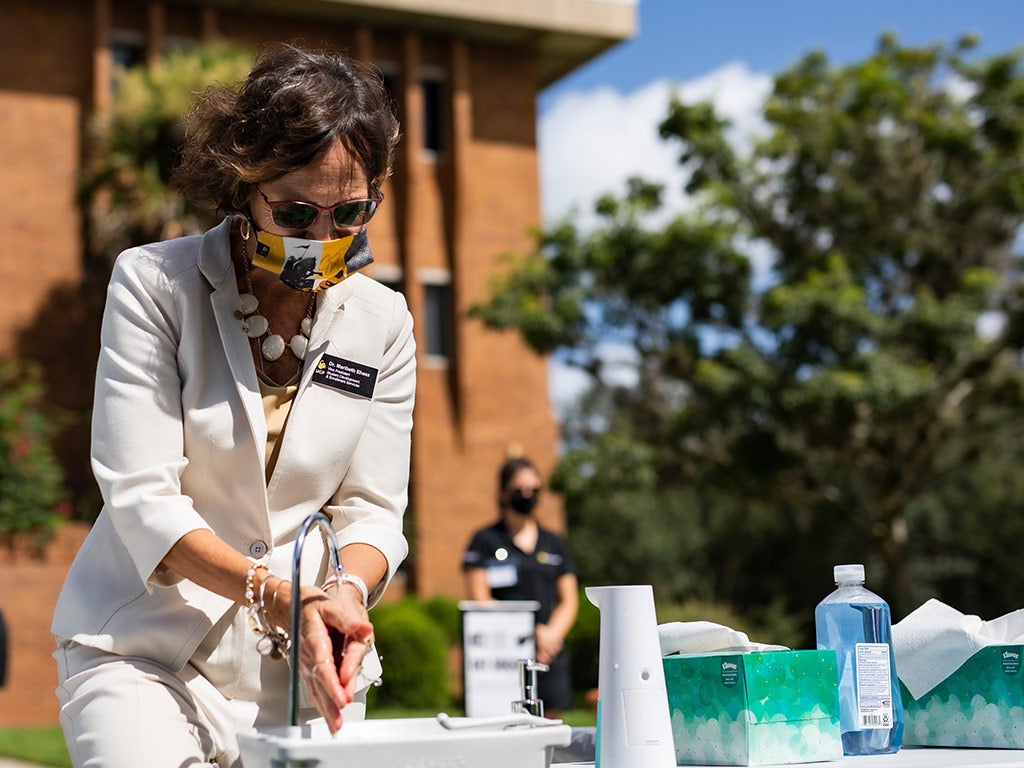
(255, 325)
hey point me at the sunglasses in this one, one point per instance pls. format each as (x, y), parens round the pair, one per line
(294, 214)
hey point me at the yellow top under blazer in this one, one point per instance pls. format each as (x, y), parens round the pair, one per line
(179, 440)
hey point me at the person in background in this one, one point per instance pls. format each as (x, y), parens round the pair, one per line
(234, 398)
(517, 559)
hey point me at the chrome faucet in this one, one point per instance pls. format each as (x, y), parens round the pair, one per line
(331, 541)
(530, 703)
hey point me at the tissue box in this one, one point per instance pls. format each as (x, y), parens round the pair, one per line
(979, 705)
(754, 708)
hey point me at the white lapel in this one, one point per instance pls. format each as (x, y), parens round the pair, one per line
(325, 423)
(215, 264)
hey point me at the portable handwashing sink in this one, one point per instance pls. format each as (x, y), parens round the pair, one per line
(518, 740)
(515, 741)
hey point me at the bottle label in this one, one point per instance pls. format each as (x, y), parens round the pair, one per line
(874, 686)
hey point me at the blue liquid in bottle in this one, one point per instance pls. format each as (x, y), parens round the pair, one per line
(856, 624)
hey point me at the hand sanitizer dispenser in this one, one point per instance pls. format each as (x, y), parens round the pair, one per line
(633, 723)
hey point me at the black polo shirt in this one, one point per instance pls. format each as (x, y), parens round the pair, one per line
(515, 575)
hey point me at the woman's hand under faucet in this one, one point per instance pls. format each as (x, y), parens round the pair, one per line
(335, 634)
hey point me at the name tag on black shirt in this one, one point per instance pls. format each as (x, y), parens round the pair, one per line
(345, 375)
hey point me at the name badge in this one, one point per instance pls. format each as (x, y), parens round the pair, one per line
(345, 375)
(501, 576)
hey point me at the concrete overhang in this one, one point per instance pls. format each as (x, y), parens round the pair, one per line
(564, 33)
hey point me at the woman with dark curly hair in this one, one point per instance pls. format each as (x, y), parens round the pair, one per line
(247, 378)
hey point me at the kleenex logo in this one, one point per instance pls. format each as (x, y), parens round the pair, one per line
(730, 673)
(1011, 662)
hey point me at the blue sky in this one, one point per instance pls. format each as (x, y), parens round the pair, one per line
(598, 125)
(683, 39)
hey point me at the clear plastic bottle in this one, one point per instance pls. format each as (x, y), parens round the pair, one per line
(857, 625)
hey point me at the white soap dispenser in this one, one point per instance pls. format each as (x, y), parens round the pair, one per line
(633, 724)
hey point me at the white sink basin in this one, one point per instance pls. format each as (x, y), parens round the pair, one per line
(516, 741)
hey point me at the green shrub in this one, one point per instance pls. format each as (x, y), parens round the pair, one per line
(770, 625)
(583, 646)
(414, 653)
(445, 612)
(31, 480)
(718, 613)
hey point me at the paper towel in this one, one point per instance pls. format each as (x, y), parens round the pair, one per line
(935, 640)
(706, 637)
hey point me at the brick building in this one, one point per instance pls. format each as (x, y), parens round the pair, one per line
(465, 73)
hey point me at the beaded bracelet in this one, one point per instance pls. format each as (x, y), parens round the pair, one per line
(250, 582)
(274, 641)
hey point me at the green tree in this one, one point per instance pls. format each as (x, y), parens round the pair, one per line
(820, 410)
(31, 481)
(126, 200)
(134, 146)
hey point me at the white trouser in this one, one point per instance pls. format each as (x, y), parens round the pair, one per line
(126, 712)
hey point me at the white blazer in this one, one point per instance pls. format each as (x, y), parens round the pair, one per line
(179, 440)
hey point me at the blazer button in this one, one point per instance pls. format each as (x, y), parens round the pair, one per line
(258, 548)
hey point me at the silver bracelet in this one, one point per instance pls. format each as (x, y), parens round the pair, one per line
(273, 641)
(349, 578)
(358, 583)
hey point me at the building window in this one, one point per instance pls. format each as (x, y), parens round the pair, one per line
(128, 49)
(438, 314)
(433, 92)
(433, 114)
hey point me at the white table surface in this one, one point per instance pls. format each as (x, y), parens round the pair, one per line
(907, 757)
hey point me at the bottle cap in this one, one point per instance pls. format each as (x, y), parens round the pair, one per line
(849, 574)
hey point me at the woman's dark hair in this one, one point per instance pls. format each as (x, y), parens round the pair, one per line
(290, 108)
(508, 471)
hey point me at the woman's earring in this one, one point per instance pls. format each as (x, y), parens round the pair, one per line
(245, 232)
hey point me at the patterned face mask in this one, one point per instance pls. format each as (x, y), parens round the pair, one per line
(311, 265)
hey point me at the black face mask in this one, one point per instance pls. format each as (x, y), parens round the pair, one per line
(522, 504)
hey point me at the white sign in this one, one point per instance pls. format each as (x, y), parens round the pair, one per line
(495, 636)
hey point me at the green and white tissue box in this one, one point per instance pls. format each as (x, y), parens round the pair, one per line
(979, 705)
(759, 708)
